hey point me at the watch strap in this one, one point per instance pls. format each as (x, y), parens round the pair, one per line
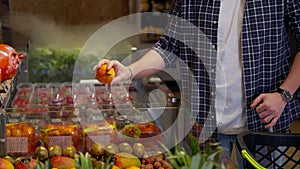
(285, 94)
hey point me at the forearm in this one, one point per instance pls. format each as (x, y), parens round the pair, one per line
(292, 81)
(149, 64)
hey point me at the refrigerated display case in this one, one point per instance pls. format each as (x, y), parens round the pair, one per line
(80, 114)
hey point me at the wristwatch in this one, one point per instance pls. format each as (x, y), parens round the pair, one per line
(285, 94)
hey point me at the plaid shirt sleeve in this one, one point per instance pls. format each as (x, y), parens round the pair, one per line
(167, 46)
(293, 20)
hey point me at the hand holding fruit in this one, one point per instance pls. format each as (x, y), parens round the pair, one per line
(105, 75)
(111, 71)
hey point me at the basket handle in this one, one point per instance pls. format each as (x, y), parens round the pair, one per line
(251, 160)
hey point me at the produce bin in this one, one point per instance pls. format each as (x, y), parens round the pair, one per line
(21, 139)
(269, 150)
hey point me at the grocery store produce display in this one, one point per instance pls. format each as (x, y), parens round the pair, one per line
(73, 139)
(101, 157)
(56, 121)
(68, 125)
(123, 155)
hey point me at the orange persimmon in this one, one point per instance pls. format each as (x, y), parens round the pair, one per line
(104, 75)
(8, 132)
(16, 133)
(28, 132)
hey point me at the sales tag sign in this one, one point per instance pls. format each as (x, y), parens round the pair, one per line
(17, 144)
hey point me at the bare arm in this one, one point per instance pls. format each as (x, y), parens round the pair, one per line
(149, 64)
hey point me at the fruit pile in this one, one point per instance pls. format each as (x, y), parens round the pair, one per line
(24, 136)
(148, 134)
(127, 156)
(21, 138)
(63, 133)
(55, 156)
(121, 156)
(155, 162)
(141, 130)
(118, 157)
(94, 132)
(23, 95)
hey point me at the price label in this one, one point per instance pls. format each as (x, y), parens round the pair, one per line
(17, 144)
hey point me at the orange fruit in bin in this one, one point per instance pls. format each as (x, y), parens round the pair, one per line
(54, 132)
(69, 130)
(16, 133)
(104, 75)
(8, 132)
(28, 131)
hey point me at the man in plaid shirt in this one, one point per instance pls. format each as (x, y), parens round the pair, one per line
(235, 61)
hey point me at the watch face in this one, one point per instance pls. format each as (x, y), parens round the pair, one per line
(287, 96)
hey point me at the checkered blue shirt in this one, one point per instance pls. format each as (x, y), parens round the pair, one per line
(266, 54)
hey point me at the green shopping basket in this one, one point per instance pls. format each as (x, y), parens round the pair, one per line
(269, 150)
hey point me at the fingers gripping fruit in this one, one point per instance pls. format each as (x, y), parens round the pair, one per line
(104, 75)
(9, 62)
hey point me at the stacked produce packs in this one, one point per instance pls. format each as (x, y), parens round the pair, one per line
(78, 115)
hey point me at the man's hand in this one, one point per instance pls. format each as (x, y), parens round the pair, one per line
(269, 107)
(123, 73)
